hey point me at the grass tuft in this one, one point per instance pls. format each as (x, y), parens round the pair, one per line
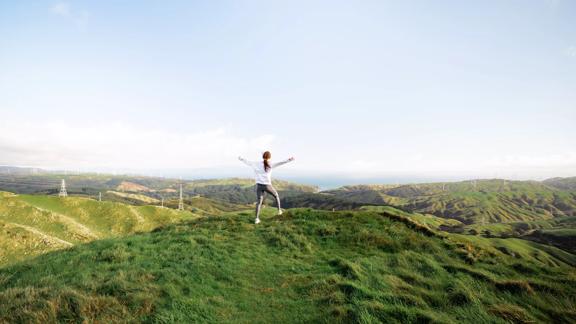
(511, 313)
(347, 269)
(514, 286)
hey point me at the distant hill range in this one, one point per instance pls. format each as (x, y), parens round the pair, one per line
(539, 211)
(474, 201)
(562, 183)
(233, 190)
(542, 211)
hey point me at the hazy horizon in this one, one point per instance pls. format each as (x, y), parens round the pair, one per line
(323, 181)
(353, 90)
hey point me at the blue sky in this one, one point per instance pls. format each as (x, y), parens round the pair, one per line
(351, 88)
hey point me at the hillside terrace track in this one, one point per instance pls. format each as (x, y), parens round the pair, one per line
(42, 234)
(83, 229)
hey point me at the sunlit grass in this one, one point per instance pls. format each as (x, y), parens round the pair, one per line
(306, 266)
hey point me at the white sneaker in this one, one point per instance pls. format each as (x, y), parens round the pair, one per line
(280, 212)
(257, 221)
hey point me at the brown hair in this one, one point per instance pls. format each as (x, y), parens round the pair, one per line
(266, 156)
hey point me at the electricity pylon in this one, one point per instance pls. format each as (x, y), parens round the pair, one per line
(63, 192)
(181, 202)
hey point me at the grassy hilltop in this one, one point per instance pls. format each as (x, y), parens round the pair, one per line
(306, 266)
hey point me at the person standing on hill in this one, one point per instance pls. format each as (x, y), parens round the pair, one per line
(263, 172)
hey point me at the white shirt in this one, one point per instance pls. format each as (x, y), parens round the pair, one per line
(262, 176)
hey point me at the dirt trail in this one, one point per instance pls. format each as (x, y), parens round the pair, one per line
(137, 214)
(75, 226)
(45, 236)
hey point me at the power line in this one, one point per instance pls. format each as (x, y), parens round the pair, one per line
(28, 180)
(27, 186)
(30, 183)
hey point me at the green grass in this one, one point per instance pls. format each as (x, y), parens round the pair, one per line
(306, 266)
(205, 206)
(489, 201)
(564, 238)
(519, 249)
(543, 212)
(431, 221)
(565, 232)
(34, 224)
(105, 217)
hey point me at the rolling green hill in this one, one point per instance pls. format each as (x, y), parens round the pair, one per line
(471, 202)
(34, 224)
(204, 206)
(543, 212)
(319, 201)
(561, 233)
(562, 183)
(306, 266)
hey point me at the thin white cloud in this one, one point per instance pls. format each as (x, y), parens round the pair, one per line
(64, 9)
(570, 51)
(553, 3)
(61, 9)
(117, 145)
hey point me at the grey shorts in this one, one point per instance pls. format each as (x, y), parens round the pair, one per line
(262, 189)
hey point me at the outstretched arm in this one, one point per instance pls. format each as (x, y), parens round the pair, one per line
(248, 163)
(243, 160)
(275, 165)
